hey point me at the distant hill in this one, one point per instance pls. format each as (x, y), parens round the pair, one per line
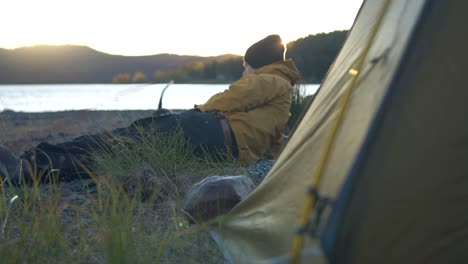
(313, 56)
(81, 64)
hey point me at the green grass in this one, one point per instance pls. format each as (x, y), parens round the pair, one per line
(129, 212)
(298, 104)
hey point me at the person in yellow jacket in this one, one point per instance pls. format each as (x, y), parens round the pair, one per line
(257, 106)
(246, 121)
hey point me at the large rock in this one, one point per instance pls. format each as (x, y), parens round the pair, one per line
(216, 195)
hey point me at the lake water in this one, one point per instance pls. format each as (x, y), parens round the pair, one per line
(60, 97)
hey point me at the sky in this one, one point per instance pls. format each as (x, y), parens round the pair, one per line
(184, 27)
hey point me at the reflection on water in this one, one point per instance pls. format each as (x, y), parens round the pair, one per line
(59, 97)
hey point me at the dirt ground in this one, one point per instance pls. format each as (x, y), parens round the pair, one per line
(20, 131)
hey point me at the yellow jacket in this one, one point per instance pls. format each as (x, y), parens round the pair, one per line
(257, 109)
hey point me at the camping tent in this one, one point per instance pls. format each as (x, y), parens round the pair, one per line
(385, 140)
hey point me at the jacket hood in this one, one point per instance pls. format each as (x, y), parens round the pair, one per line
(286, 69)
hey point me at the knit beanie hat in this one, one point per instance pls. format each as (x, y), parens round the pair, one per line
(264, 52)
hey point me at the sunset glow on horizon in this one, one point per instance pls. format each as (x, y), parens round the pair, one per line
(144, 27)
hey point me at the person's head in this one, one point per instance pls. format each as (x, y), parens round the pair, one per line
(266, 51)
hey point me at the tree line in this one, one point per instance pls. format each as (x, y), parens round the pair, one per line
(313, 55)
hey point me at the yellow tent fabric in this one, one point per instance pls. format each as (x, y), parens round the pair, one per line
(406, 200)
(262, 226)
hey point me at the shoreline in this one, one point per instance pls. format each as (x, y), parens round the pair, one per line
(20, 131)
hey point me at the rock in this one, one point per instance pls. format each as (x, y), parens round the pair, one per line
(216, 195)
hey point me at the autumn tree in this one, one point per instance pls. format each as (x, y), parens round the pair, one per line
(139, 77)
(122, 78)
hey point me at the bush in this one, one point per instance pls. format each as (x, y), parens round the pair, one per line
(298, 104)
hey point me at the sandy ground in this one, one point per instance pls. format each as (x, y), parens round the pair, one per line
(20, 131)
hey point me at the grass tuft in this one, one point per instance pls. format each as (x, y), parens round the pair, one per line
(128, 212)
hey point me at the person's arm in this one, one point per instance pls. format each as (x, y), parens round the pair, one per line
(243, 95)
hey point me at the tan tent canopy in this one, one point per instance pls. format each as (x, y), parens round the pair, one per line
(396, 169)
